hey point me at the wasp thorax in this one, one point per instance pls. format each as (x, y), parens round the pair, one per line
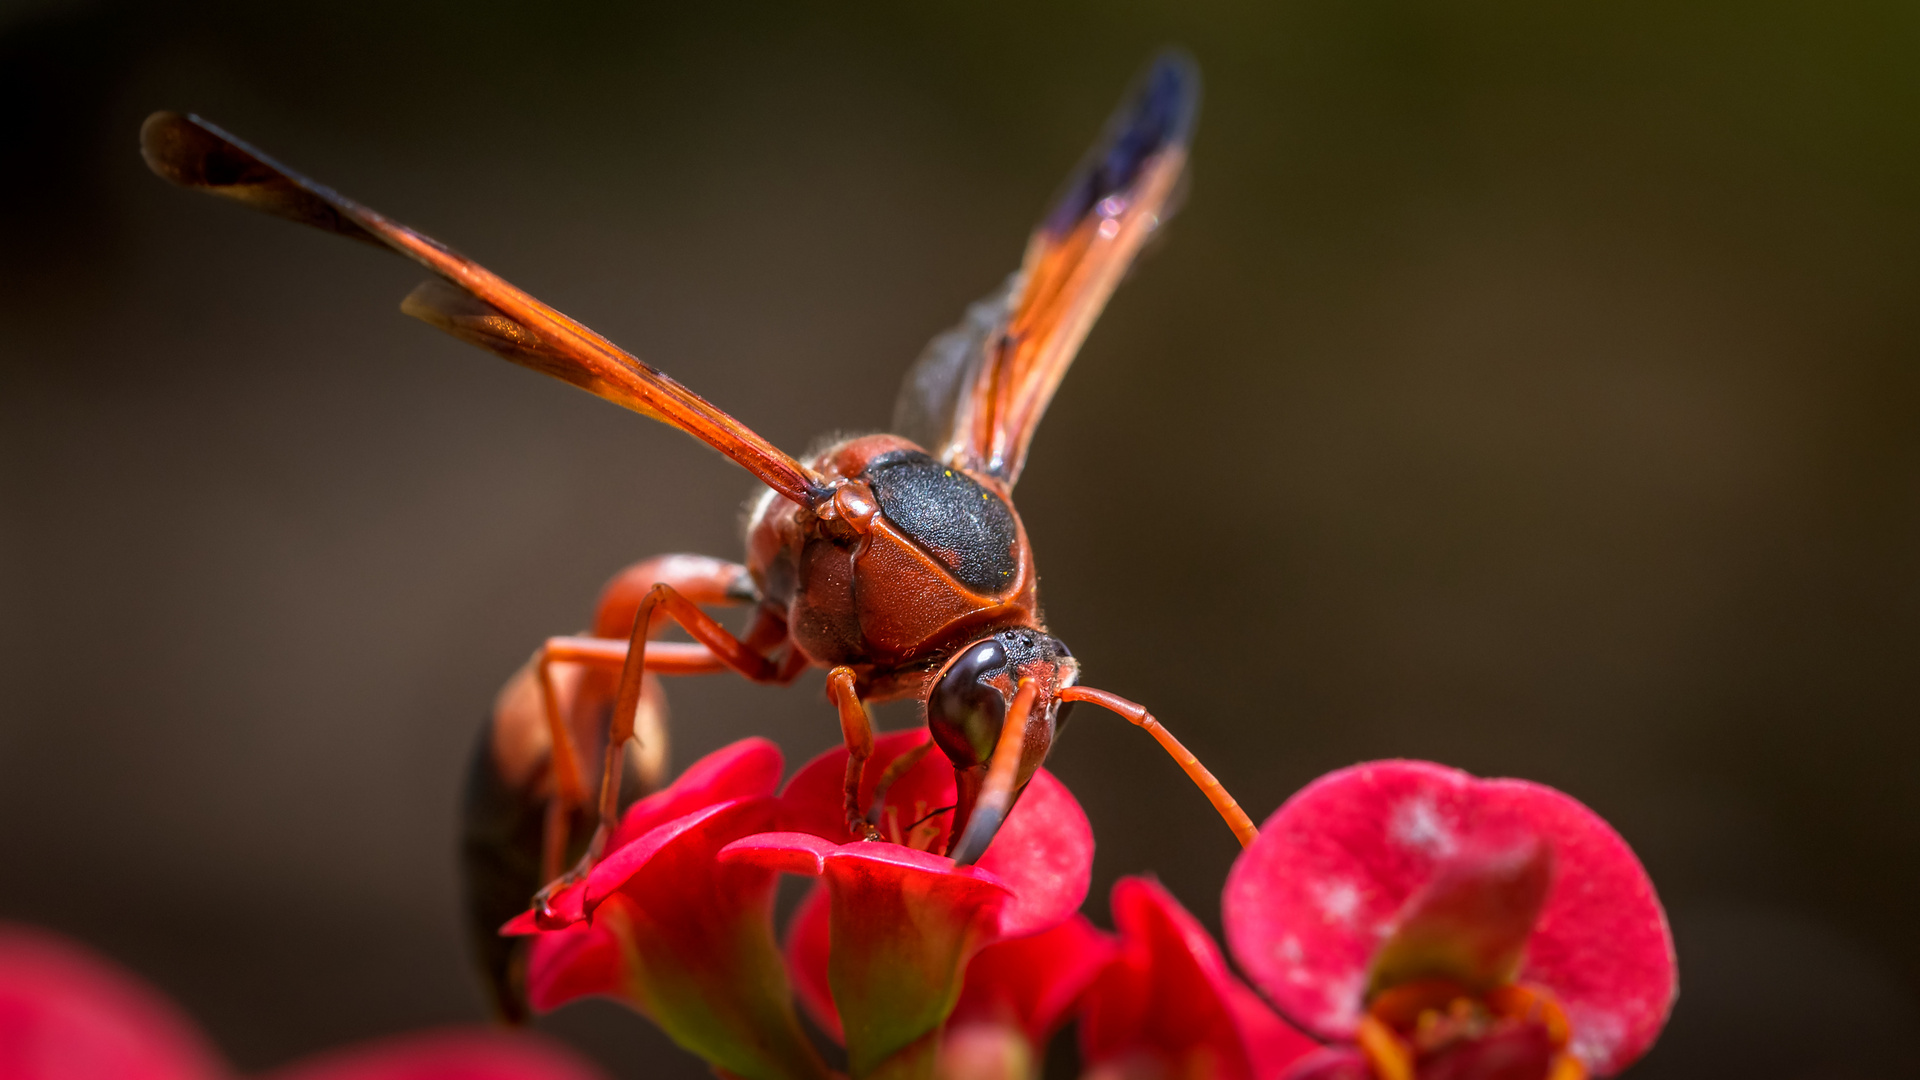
(970, 698)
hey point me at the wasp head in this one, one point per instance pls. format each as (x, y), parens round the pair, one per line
(967, 712)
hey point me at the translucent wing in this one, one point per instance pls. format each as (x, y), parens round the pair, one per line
(473, 304)
(977, 393)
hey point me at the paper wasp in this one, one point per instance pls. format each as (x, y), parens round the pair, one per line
(895, 561)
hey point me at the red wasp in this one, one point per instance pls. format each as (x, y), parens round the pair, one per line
(895, 561)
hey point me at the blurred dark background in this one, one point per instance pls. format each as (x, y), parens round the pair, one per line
(1531, 390)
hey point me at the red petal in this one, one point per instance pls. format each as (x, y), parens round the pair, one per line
(902, 934)
(580, 961)
(701, 829)
(66, 1014)
(1032, 982)
(1309, 903)
(1509, 1052)
(783, 852)
(902, 926)
(1472, 920)
(746, 769)
(986, 1052)
(527, 922)
(809, 944)
(1169, 999)
(815, 802)
(1331, 1063)
(1044, 852)
(564, 907)
(447, 1055)
(689, 942)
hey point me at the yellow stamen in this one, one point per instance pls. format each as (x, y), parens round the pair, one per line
(1391, 1058)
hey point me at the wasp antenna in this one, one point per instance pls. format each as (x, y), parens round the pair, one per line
(996, 795)
(1216, 792)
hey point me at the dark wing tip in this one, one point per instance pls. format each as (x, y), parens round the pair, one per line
(1157, 114)
(190, 152)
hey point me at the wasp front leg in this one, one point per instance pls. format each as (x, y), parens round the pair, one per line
(856, 727)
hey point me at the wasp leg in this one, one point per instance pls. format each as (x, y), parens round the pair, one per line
(895, 769)
(721, 650)
(572, 712)
(856, 727)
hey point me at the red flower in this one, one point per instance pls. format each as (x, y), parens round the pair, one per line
(1452, 927)
(1029, 985)
(1014, 996)
(1168, 1007)
(664, 926)
(68, 1015)
(902, 923)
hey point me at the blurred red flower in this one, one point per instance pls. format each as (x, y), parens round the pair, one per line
(66, 1014)
(1169, 1007)
(1445, 926)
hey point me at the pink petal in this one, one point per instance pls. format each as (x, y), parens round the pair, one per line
(1602, 945)
(1044, 852)
(447, 1055)
(1309, 903)
(1170, 1001)
(66, 1014)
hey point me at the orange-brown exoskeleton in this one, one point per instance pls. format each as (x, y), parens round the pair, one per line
(896, 561)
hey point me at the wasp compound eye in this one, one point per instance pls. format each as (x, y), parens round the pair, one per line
(965, 711)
